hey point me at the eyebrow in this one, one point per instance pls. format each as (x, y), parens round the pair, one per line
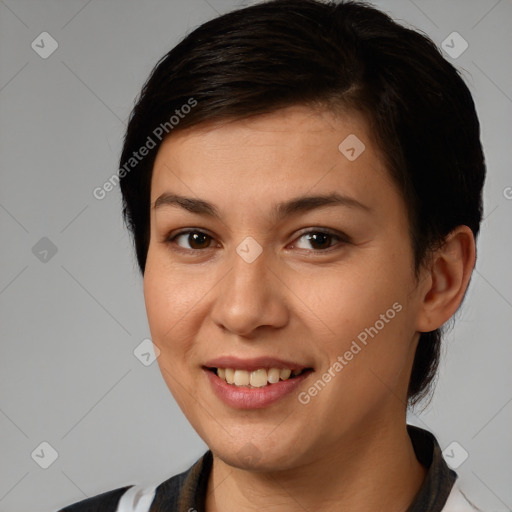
(279, 211)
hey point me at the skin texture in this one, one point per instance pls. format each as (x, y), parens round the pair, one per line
(347, 449)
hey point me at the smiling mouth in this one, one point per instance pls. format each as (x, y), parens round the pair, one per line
(259, 378)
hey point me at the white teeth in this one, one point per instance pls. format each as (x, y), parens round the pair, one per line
(230, 375)
(285, 373)
(273, 375)
(257, 378)
(241, 378)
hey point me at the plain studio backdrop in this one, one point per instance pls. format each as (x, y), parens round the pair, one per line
(75, 398)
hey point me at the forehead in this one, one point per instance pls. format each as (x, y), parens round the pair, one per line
(266, 157)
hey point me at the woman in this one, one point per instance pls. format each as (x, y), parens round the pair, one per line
(303, 182)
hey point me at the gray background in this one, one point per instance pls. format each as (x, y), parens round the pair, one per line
(70, 321)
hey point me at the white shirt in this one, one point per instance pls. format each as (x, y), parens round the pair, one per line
(139, 498)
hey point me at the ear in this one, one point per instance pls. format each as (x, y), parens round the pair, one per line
(446, 279)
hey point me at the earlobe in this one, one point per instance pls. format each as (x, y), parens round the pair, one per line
(449, 274)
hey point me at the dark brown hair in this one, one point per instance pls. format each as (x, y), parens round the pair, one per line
(343, 56)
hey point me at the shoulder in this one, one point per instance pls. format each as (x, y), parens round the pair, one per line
(457, 502)
(164, 496)
(105, 502)
(133, 498)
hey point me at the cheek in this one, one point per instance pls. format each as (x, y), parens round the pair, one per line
(165, 293)
(365, 307)
(176, 297)
(167, 300)
(350, 298)
(170, 309)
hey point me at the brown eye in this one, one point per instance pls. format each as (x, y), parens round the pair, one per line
(196, 240)
(319, 240)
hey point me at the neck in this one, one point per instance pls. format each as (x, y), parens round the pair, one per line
(375, 469)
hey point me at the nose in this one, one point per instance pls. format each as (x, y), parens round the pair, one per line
(250, 296)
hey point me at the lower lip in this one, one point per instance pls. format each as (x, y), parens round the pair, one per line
(241, 397)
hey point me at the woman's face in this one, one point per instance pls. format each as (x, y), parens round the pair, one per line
(271, 282)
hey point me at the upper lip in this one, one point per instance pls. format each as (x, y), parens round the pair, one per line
(253, 364)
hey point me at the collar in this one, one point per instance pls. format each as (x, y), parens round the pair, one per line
(186, 492)
(439, 480)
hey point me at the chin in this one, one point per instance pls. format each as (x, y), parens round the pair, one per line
(263, 455)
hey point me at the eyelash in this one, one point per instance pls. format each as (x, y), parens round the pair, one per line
(341, 237)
